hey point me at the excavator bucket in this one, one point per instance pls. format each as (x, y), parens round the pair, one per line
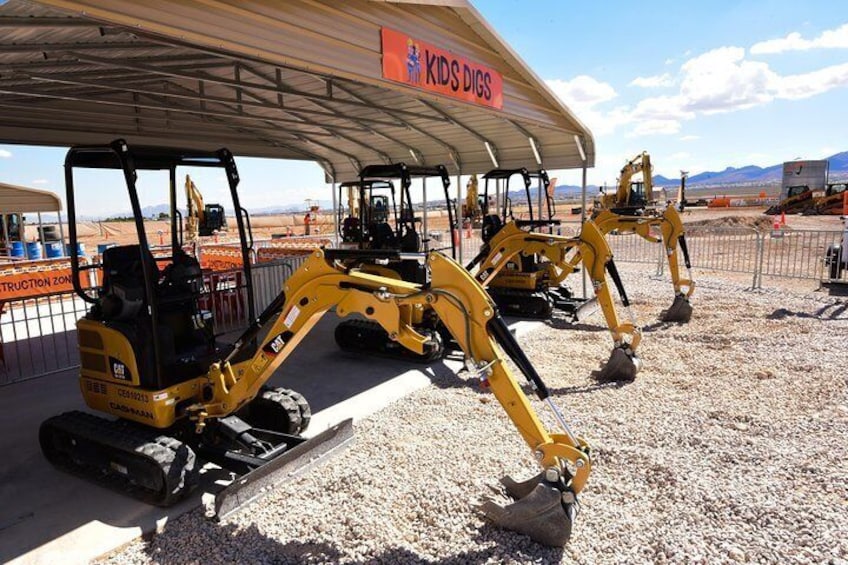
(621, 367)
(680, 311)
(540, 510)
(257, 483)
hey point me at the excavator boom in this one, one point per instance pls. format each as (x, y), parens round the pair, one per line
(563, 255)
(673, 236)
(471, 318)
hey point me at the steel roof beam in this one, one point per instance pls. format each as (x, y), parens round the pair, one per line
(62, 63)
(130, 64)
(192, 95)
(308, 135)
(298, 135)
(385, 157)
(161, 107)
(100, 113)
(362, 121)
(531, 139)
(27, 21)
(50, 47)
(451, 150)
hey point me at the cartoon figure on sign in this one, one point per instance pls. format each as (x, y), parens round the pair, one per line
(413, 62)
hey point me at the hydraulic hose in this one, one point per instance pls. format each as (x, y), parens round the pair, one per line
(500, 332)
(685, 250)
(616, 279)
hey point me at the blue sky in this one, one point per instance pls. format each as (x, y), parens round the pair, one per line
(700, 85)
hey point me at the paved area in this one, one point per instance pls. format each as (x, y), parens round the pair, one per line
(51, 517)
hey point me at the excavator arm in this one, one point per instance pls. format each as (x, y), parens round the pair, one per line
(564, 254)
(545, 506)
(670, 225)
(194, 203)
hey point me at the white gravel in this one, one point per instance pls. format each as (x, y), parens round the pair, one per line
(731, 446)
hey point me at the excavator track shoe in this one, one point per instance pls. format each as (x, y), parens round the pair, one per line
(297, 460)
(522, 304)
(621, 367)
(680, 311)
(278, 409)
(140, 462)
(538, 511)
(367, 337)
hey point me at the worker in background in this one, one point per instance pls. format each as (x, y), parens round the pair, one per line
(307, 219)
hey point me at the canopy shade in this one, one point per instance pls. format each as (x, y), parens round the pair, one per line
(301, 79)
(14, 199)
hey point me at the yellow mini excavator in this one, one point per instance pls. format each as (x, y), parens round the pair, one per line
(524, 272)
(642, 218)
(203, 219)
(150, 361)
(630, 197)
(670, 226)
(385, 219)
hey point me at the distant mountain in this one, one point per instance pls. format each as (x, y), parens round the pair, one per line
(751, 174)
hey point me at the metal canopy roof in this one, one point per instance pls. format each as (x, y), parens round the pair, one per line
(300, 79)
(15, 199)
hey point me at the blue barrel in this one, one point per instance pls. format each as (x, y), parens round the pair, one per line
(54, 249)
(80, 249)
(101, 247)
(17, 249)
(33, 250)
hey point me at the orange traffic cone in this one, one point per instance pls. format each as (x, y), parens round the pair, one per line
(783, 218)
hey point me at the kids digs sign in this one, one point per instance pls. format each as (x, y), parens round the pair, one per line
(419, 64)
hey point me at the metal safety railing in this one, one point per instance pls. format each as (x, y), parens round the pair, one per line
(784, 253)
(38, 334)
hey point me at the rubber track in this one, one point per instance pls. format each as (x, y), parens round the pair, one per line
(372, 339)
(522, 303)
(175, 459)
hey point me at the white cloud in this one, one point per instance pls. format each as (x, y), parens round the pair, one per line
(655, 127)
(655, 81)
(41, 181)
(828, 39)
(582, 94)
(722, 80)
(794, 87)
(582, 90)
(690, 137)
(669, 61)
(4, 154)
(718, 81)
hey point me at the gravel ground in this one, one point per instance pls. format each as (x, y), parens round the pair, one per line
(730, 447)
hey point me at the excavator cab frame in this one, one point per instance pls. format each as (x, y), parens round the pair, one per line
(119, 156)
(406, 229)
(493, 222)
(358, 226)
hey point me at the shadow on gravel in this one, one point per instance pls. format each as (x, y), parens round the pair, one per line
(659, 325)
(562, 324)
(584, 389)
(230, 544)
(834, 311)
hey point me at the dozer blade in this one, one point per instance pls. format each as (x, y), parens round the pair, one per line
(538, 512)
(295, 461)
(680, 311)
(621, 367)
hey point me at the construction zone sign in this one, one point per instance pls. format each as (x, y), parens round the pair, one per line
(425, 66)
(31, 279)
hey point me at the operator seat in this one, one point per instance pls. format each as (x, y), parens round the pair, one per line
(492, 224)
(185, 334)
